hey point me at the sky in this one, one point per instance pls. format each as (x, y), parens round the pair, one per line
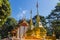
(21, 8)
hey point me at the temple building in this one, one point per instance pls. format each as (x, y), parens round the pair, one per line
(26, 30)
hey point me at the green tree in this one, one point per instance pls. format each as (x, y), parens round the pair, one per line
(8, 26)
(5, 11)
(54, 20)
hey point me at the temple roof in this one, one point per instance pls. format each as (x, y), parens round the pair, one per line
(24, 23)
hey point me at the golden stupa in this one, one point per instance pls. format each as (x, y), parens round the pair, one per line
(37, 31)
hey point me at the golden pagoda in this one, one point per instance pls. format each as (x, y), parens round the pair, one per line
(39, 31)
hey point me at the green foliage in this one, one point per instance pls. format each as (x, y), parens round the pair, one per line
(8, 26)
(1, 2)
(54, 20)
(5, 11)
(11, 21)
(56, 25)
(58, 4)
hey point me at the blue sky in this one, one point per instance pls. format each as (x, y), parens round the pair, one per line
(23, 7)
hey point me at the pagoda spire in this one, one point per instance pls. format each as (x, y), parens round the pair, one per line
(31, 22)
(24, 17)
(31, 15)
(38, 18)
(37, 8)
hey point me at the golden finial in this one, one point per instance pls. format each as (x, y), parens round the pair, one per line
(38, 18)
(31, 18)
(31, 14)
(37, 8)
(31, 22)
(37, 4)
(24, 17)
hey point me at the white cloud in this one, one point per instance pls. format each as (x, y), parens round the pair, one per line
(24, 11)
(21, 14)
